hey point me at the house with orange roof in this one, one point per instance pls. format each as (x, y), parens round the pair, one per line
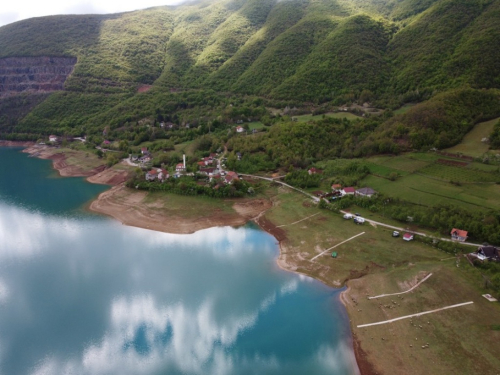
(458, 235)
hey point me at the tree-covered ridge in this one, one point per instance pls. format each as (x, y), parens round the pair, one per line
(311, 50)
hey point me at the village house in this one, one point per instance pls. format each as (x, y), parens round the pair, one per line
(207, 171)
(314, 171)
(106, 142)
(336, 187)
(240, 129)
(53, 138)
(151, 175)
(458, 235)
(180, 167)
(162, 174)
(366, 192)
(144, 150)
(231, 177)
(238, 155)
(208, 160)
(348, 191)
(490, 253)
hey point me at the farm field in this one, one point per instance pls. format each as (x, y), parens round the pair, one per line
(427, 191)
(461, 174)
(471, 144)
(404, 163)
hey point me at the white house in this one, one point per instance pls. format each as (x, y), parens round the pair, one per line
(347, 191)
(240, 129)
(180, 167)
(52, 138)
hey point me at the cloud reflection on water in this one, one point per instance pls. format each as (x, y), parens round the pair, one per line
(148, 334)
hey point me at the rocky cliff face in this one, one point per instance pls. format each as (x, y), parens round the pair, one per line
(34, 74)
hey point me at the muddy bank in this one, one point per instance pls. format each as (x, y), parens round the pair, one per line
(4, 143)
(131, 207)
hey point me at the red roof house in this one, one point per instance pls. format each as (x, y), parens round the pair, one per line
(458, 235)
(348, 191)
(315, 171)
(180, 167)
(230, 177)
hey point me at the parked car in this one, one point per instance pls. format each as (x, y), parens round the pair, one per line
(395, 234)
(347, 216)
(359, 220)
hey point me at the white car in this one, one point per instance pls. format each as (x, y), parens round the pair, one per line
(359, 220)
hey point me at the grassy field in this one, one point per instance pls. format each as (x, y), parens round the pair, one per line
(347, 115)
(471, 144)
(403, 109)
(255, 125)
(404, 163)
(460, 340)
(426, 191)
(422, 180)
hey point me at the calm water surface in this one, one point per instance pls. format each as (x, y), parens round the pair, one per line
(83, 294)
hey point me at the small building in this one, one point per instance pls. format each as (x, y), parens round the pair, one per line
(180, 167)
(162, 174)
(106, 142)
(151, 175)
(366, 192)
(490, 253)
(240, 129)
(458, 235)
(144, 150)
(336, 187)
(314, 171)
(348, 191)
(53, 138)
(230, 177)
(207, 171)
(408, 237)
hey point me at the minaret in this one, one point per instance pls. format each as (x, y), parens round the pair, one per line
(184, 160)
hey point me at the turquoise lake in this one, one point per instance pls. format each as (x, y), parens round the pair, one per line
(83, 294)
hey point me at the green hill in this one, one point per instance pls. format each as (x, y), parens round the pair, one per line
(329, 52)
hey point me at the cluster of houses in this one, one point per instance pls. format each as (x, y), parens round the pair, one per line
(144, 158)
(207, 167)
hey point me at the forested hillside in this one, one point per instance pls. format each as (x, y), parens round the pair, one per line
(243, 56)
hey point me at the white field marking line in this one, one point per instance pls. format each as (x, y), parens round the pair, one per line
(284, 225)
(409, 290)
(419, 314)
(337, 245)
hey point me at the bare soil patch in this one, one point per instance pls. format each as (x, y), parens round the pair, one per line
(136, 208)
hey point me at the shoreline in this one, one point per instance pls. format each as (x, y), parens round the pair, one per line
(127, 212)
